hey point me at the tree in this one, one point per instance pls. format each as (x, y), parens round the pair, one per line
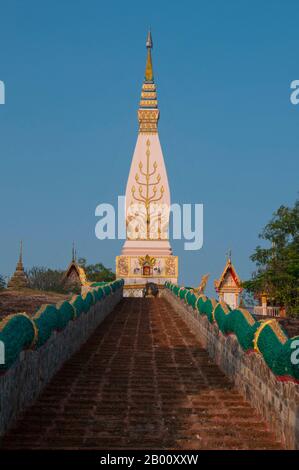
(97, 272)
(45, 279)
(2, 283)
(277, 272)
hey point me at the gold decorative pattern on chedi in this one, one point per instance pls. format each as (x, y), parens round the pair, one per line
(123, 266)
(147, 216)
(170, 266)
(148, 121)
(135, 266)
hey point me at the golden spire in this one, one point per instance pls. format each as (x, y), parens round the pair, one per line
(73, 253)
(148, 113)
(149, 76)
(21, 253)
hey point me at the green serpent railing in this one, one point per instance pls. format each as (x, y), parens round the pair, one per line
(267, 338)
(20, 331)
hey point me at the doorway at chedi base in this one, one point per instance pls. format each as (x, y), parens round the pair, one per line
(147, 255)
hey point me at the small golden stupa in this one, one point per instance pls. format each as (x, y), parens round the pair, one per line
(19, 279)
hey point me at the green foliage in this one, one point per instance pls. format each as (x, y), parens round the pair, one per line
(97, 272)
(277, 271)
(45, 279)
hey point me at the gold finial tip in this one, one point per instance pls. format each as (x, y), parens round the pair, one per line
(149, 41)
(21, 250)
(149, 76)
(73, 253)
(229, 255)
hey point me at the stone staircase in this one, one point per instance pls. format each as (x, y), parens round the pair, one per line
(142, 381)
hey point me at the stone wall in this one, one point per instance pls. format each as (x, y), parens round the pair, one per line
(23, 382)
(277, 402)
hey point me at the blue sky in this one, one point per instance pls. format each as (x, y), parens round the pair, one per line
(73, 73)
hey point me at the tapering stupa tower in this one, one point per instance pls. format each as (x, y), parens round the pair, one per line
(146, 255)
(19, 279)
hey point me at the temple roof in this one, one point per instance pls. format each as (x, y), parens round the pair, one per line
(75, 266)
(79, 270)
(228, 272)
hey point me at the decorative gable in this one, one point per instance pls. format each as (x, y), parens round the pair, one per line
(229, 280)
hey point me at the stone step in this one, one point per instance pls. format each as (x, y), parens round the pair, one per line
(141, 381)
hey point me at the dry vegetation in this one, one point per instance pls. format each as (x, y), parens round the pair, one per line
(26, 300)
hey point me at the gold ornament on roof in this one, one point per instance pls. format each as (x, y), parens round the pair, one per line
(202, 285)
(147, 260)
